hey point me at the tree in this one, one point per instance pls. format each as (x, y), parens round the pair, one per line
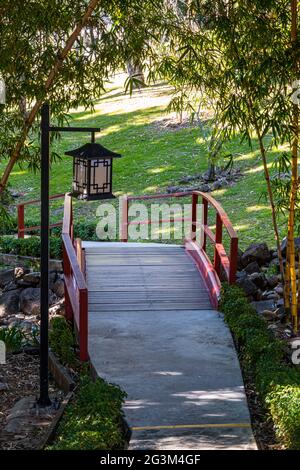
(63, 52)
(239, 56)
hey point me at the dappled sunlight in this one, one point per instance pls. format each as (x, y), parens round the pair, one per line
(167, 373)
(204, 397)
(137, 404)
(256, 208)
(155, 171)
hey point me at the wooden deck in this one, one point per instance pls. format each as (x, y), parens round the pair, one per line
(129, 277)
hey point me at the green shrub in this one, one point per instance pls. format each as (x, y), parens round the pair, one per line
(29, 246)
(93, 420)
(13, 337)
(261, 353)
(62, 341)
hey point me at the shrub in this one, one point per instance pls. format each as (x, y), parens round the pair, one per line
(29, 246)
(277, 382)
(62, 341)
(93, 420)
(13, 338)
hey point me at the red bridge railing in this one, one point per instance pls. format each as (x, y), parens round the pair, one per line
(76, 292)
(21, 216)
(211, 270)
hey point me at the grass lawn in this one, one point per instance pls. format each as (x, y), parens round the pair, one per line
(154, 156)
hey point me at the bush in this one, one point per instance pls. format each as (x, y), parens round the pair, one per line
(29, 246)
(62, 341)
(13, 338)
(277, 382)
(93, 420)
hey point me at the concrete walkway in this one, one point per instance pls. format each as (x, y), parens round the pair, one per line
(176, 362)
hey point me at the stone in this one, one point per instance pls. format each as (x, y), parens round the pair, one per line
(252, 267)
(259, 279)
(216, 185)
(256, 252)
(59, 288)
(262, 305)
(9, 303)
(269, 315)
(205, 188)
(247, 285)
(30, 301)
(32, 278)
(279, 290)
(272, 281)
(3, 386)
(6, 276)
(284, 245)
(20, 272)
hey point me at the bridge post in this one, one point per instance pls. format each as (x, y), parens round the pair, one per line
(21, 221)
(194, 216)
(219, 236)
(124, 219)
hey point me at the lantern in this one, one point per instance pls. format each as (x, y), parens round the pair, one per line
(92, 171)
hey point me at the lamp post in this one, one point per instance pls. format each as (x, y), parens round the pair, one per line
(95, 183)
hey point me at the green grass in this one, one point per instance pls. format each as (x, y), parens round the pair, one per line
(153, 158)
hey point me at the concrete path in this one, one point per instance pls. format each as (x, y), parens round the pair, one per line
(153, 333)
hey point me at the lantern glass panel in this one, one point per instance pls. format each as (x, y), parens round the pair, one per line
(80, 175)
(100, 182)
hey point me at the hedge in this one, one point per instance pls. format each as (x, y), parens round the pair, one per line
(29, 246)
(264, 356)
(93, 420)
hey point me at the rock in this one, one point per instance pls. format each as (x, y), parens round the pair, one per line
(20, 316)
(263, 305)
(239, 260)
(269, 315)
(6, 276)
(272, 281)
(52, 279)
(259, 279)
(252, 267)
(205, 188)
(256, 252)
(216, 185)
(30, 301)
(59, 288)
(284, 245)
(32, 278)
(20, 272)
(3, 386)
(173, 189)
(247, 285)
(9, 303)
(279, 290)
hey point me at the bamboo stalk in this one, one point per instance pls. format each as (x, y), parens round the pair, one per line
(294, 182)
(47, 85)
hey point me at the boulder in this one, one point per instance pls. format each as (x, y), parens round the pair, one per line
(272, 281)
(247, 285)
(258, 252)
(259, 279)
(252, 267)
(6, 276)
(284, 245)
(59, 288)
(9, 303)
(262, 305)
(32, 278)
(30, 301)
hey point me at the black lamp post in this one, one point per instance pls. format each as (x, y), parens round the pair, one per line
(93, 182)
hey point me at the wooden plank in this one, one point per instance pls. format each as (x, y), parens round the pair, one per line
(149, 306)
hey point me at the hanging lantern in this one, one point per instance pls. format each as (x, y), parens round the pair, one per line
(92, 171)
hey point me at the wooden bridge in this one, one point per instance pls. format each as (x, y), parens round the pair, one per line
(146, 316)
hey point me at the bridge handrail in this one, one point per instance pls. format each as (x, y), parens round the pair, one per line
(229, 263)
(21, 215)
(76, 291)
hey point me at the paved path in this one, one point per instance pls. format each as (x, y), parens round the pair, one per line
(152, 331)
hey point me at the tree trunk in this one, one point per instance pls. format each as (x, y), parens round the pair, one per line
(135, 69)
(47, 85)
